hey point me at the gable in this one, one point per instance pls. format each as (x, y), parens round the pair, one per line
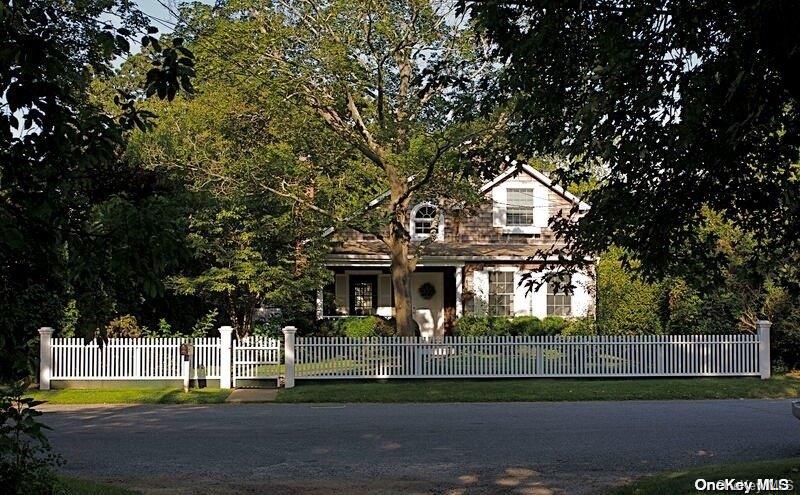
(489, 225)
(524, 172)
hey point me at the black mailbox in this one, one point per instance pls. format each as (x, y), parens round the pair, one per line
(187, 350)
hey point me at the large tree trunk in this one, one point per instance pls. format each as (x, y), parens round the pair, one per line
(401, 278)
(401, 265)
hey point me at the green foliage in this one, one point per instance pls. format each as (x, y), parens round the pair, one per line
(26, 464)
(124, 326)
(626, 305)
(63, 182)
(478, 326)
(469, 325)
(69, 319)
(356, 327)
(206, 324)
(685, 106)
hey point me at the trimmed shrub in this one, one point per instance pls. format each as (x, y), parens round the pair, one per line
(523, 325)
(356, 327)
(553, 325)
(472, 326)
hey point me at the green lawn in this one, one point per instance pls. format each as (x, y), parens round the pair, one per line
(76, 486)
(540, 390)
(682, 482)
(131, 396)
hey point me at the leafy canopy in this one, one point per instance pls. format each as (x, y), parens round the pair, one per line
(680, 104)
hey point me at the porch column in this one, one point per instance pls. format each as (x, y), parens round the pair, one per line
(459, 287)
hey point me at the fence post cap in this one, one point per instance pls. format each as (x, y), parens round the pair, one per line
(46, 331)
(226, 329)
(763, 323)
(289, 330)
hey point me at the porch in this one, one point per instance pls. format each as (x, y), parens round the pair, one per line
(358, 290)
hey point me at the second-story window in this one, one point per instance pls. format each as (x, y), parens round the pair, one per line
(424, 221)
(519, 207)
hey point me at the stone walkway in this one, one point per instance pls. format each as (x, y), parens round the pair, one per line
(244, 395)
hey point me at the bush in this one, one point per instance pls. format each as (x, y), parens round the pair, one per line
(356, 327)
(472, 326)
(124, 326)
(553, 325)
(476, 326)
(625, 304)
(26, 464)
(524, 325)
(580, 326)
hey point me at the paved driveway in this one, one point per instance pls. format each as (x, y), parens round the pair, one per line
(535, 448)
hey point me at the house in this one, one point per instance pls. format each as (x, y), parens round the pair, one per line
(474, 264)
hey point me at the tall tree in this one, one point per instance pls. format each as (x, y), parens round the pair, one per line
(681, 104)
(65, 197)
(393, 80)
(250, 247)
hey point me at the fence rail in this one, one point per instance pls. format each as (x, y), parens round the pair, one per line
(517, 357)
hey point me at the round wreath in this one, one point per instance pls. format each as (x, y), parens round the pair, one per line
(427, 290)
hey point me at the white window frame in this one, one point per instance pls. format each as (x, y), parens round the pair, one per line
(509, 295)
(412, 221)
(541, 204)
(563, 294)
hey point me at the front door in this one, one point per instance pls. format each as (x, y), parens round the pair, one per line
(427, 302)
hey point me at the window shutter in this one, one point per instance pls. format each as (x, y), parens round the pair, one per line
(539, 298)
(341, 293)
(384, 290)
(522, 300)
(582, 300)
(499, 206)
(480, 285)
(541, 206)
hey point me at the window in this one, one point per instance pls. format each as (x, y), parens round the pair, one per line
(519, 206)
(559, 302)
(423, 218)
(501, 293)
(363, 295)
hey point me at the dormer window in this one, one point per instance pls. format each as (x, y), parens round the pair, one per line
(426, 220)
(520, 208)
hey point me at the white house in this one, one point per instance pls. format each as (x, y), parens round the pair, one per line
(475, 265)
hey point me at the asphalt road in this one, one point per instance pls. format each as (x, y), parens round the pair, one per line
(536, 448)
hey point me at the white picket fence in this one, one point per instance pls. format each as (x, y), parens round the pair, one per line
(132, 359)
(214, 358)
(521, 357)
(405, 357)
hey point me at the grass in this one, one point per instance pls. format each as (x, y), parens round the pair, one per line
(131, 396)
(682, 482)
(76, 486)
(541, 390)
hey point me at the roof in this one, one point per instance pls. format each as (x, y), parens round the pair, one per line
(515, 168)
(524, 167)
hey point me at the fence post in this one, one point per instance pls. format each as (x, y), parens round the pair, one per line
(45, 357)
(225, 357)
(288, 355)
(764, 363)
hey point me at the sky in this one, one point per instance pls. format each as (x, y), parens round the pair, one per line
(156, 9)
